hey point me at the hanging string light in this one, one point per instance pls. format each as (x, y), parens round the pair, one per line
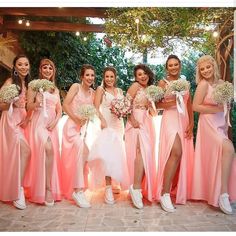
(137, 24)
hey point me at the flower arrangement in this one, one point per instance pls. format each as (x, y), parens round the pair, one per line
(41, 84)
(154, 93)
(86, 112)
(9, 93)
(179, 85)
(121, 107)
(223, 93)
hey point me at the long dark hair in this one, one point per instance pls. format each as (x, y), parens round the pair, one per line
(172, 56)
(14, 75)
(147, 70)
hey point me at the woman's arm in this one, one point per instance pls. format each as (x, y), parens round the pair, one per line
(189, 129)
(58, 108)
(132, 92)
(164, 104)
(199, 96)
(67, 104)
(97, 102)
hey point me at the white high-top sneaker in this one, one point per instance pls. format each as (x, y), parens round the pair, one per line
(109, 198)
(136, 196)
(80, 199)
(20, 203)
(225, 204)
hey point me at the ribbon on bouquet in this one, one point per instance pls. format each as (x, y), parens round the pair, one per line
(10, 110)
(44, 103)
(180, 101)
(153, 105)
(226, 113)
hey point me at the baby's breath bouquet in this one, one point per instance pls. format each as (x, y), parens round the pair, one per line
(41, 85)
(223, 93)
(86, 112)
(180, 85)
(179, 88)
(9, 93)
(154, 94)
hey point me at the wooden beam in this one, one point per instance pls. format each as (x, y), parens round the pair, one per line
(54, 11)
(54, 26)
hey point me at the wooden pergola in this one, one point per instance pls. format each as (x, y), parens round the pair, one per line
(39, 19)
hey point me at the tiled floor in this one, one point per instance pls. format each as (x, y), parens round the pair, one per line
(66, 216)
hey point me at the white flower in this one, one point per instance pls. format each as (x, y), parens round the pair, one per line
(154, 93)
(9, 93)
(223, 93)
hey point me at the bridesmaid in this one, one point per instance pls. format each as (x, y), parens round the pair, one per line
(14, 148)
(43, 140)
(74, 149)
(213, 179)
(107, 158)
(139, 139)
(176, 144)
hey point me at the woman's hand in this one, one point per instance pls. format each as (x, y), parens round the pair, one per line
(189, 131)
(52, 125)
(134, 122)
(103, 124)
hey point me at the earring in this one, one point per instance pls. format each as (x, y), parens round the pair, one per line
(15, 73)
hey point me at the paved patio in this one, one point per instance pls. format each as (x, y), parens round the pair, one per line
(66, 216)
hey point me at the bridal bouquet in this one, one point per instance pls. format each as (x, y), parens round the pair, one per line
(121, 107)
(9, 93)
(41, 85)
(223, 93)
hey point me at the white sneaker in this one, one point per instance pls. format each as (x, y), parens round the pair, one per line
(20, 203)
(225, 204)
(109, 198)
(136, 196)
(166, 203)
(80, 199)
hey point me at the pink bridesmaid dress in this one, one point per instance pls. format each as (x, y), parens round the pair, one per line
(38, 136)
(146, 136)
(10, 136)
(174, 123)
(107, 156)
(212, 131)
(73, 175)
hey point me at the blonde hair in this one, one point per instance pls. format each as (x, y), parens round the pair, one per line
(213, 62)
(47, 62)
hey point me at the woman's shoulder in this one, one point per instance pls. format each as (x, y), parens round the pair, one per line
(8, 81)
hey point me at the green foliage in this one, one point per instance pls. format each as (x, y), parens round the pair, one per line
(160, 27)
(69, 53)
(233, 123)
